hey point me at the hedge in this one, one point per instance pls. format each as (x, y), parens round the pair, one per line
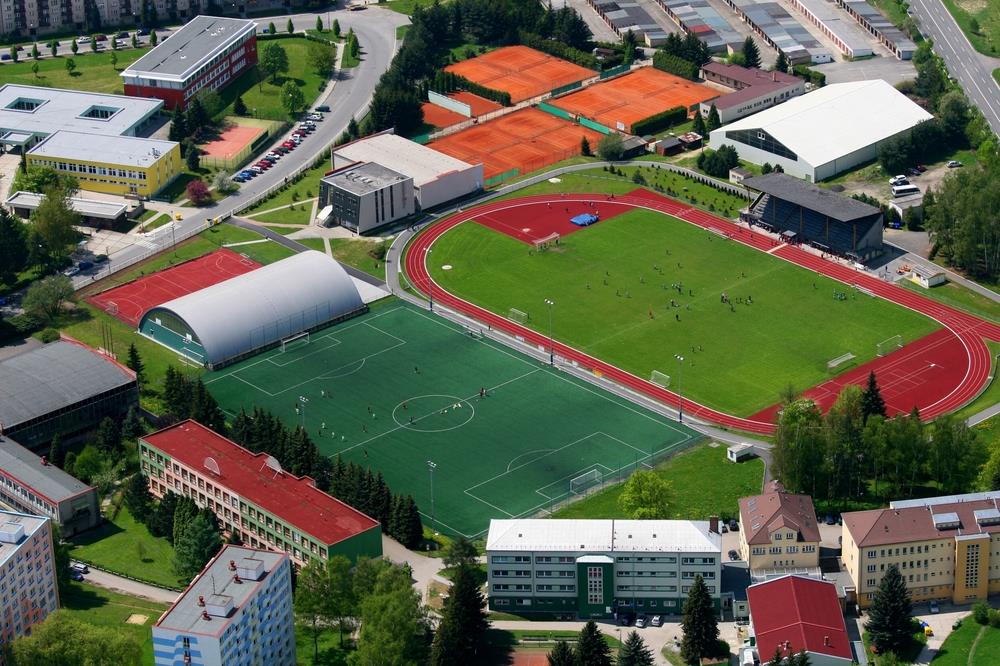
(446, 82)
(659, 121)
(559, 50)
(675, 65)
(818, 79)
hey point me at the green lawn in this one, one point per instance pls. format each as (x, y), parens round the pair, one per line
(987, 13)
(612, 288)
(301, 214)
(99, 607)
(957, 296)
(330, 652)
(93, 73)
(956, 648)
(305, 188)
(355, 253)
(406, 6)
(156, 222)
(176, 189)
(349, 61)
(691, 497)
(313, 244)
(116, 545)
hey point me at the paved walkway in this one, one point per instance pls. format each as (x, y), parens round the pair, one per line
(425, 569)
(126, 586)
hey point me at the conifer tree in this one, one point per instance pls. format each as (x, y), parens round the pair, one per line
(56, 454)
(889, 624)
(751, 54)
(872, 403)
(562, 655)
(591, 648)
(635, 652)
(700, 624)
(463, 625)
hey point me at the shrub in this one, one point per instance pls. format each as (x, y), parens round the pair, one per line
(610, 148)
(675, 65)
(25, 324)
(660, 121)
(197, 191)
(981, 612)
(994, 619)
(48, 335)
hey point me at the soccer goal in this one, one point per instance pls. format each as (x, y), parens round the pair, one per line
(542, 244)
(583, 482)
(472, 332)
(294, 342)
(835, 363)
(660, 379)
(111, 308)
(520, 316)
(889, 346)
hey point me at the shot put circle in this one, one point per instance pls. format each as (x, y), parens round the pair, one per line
(433, 413)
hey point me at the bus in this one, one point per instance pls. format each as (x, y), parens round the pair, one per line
(904, 190)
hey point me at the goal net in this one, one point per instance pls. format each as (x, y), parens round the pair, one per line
(542, 244)
(835, 363)
(581, 483)
(520, 316)
(294, 342)
(660, 379)
(111, 308)
(890, 345)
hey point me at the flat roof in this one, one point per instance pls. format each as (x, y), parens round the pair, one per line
(45, 479)
(108, 210)
(364, 178)
(47, 110)
(700, 18)
(48, 378)
(216, 584)
(30, 523)
(294, 499)
(197, 42)
(781, 28)
(602, 536)
(116, 150)
(880, 24)
(848, 33)
(803, 611)
(823, 201)
(835, 120)
(422, 164)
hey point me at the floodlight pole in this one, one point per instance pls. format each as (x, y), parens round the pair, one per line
(552, 342)
(680, 395)
(303, 401)
(431, 466)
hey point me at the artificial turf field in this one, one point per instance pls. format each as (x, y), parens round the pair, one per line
(398, 387)
(615, 299)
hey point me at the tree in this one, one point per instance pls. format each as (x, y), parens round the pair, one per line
(273, 61)
(799, 448)
(393, 628)
(412, 528)
(271, 29)
(700, 624)
(974, 25)
(464, 623)
(108, 437)
(206, 411)
(152, 37)
(635, 652)
(13, 53)
(45, 297)
(56, 454)
(319, 24)
(562, 655)
(645, 496)
(336, 28)
(185, 511)
(192, 158)
(34, 69)
(74, 48)
(197, 544)
(34, 51)
(70, 66)
(312, 601)
(585, 147)
(629, 44)
(60, 556)
(751, 54)
(781, 64)
(291, 97)
(93, 43)
(13, 247)
(353, 47)
(132, 425)
(114, 44)
(197, 192)
(87, 464)
(175, 393)
(239, 106)
(460, 552)
(889, 624)
(953, 111)
(54, 219)
(713, 122)
(135, 41)
(62, 639)
(289, 27)
(956, 454)
(53, 48)
(137, 497)
(699, 124)
(591, 648)
(610, 148)
(135, 364)
(179, 129)
(160, 520)
(321, 57)
(114, 61)
(871, 400)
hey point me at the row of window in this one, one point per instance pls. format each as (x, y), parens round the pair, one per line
(12, 492)
(562, 559)
(777, 550)
(73, 167)
(890, 552)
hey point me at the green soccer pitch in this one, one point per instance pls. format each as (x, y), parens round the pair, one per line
(612, 285)
(398, 387)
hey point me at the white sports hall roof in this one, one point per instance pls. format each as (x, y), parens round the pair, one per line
(602, 536)
(836, 120)
(422, 164)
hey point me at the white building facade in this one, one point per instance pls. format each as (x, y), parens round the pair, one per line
(28, 590)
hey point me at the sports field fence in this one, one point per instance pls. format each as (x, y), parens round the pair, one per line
(237, 160)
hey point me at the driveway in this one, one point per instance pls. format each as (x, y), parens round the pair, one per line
(126, 586)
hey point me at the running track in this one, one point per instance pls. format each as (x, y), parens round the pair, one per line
(969, 330)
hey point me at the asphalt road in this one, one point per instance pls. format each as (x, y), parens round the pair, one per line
(973, 70)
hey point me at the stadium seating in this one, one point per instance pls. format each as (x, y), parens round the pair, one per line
(783, 215)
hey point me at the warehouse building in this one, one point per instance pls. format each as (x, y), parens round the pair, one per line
(600, 568)
(844, 35)
(631, 17)
(437, 178)
(27, 560)
(365, 197)
(781, 31)
(206, 54)
(253, 498)
(93, 212)
(880, 27)
(31, 484)
(246, 314)
(61, 388)
(699, 18)
(824, 133)
(753, 90)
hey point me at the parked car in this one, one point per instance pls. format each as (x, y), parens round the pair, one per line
(289, 145)
(142, 32)
(79, 566)
(257, 169)
(935, 607)
(76, 575)
(85, 39)
(733, 555)
(274, 154)
(625, 619)
(281, 150)
(954, 164)
(733, 525)
(5, 56)
(248, 174)
(122, 35)
(921, 168)
(640, 622)
(324, 108)
(101, 38)
(317, 117)
(239, 178)
(898, 180)
(20, 47)
(830, 520)
(913, 171)
(85, 265)
(71, 271)
(656, 621)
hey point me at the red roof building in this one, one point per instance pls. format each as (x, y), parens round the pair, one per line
(794, 613)
(253, 497)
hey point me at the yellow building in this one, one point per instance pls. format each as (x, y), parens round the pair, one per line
(122, 165)
(778, 531)
(945, 547)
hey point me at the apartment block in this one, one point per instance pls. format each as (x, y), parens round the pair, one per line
(28, 590)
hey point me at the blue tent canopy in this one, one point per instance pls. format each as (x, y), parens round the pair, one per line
(584, 219)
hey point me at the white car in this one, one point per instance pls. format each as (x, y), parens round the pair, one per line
(656, 621)
(71, 271)
(640, 622)
(273, 155)
(898, 180)
(85, 39)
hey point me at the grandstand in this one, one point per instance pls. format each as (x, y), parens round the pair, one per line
(804, 213)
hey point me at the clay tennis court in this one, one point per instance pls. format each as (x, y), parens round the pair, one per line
(634, 97)
(439, 116)
(129, 301)
(233, 140)
(520, 71)
(525, 140)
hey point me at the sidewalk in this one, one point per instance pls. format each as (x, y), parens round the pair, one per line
(126, 586)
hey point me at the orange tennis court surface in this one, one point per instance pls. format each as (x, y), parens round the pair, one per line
(438, 116)
(633, 97)
(520, 71)
(526, 140)
(231, 141)
(130, 301)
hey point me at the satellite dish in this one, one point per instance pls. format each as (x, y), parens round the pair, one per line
(212, 466)
(272, 463)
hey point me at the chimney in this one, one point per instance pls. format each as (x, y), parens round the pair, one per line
(232, 565)
(201, 600)
(236, 579)
(713, 524)
(205, 616)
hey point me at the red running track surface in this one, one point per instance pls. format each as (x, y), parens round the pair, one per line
(967, 329)
(134, 298)
(538, 220)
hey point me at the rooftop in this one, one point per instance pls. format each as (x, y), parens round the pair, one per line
(602, 536)
(52, 377)
(118, 150)
(190, 47)
(948, 517)
(802, 612)
(845, 30)
(700, 18)
(884, 26)
(108, 210)
(42, 111)
(779, 26)
(43, 479)
(259, 479)
(424, 165)
(216, 590)
(762, 514)
(14, 529)
(748, 76)
(852, 116)
(823, 201)
(364, 178)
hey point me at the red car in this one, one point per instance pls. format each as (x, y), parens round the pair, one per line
(263, 165)
(290, 145)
